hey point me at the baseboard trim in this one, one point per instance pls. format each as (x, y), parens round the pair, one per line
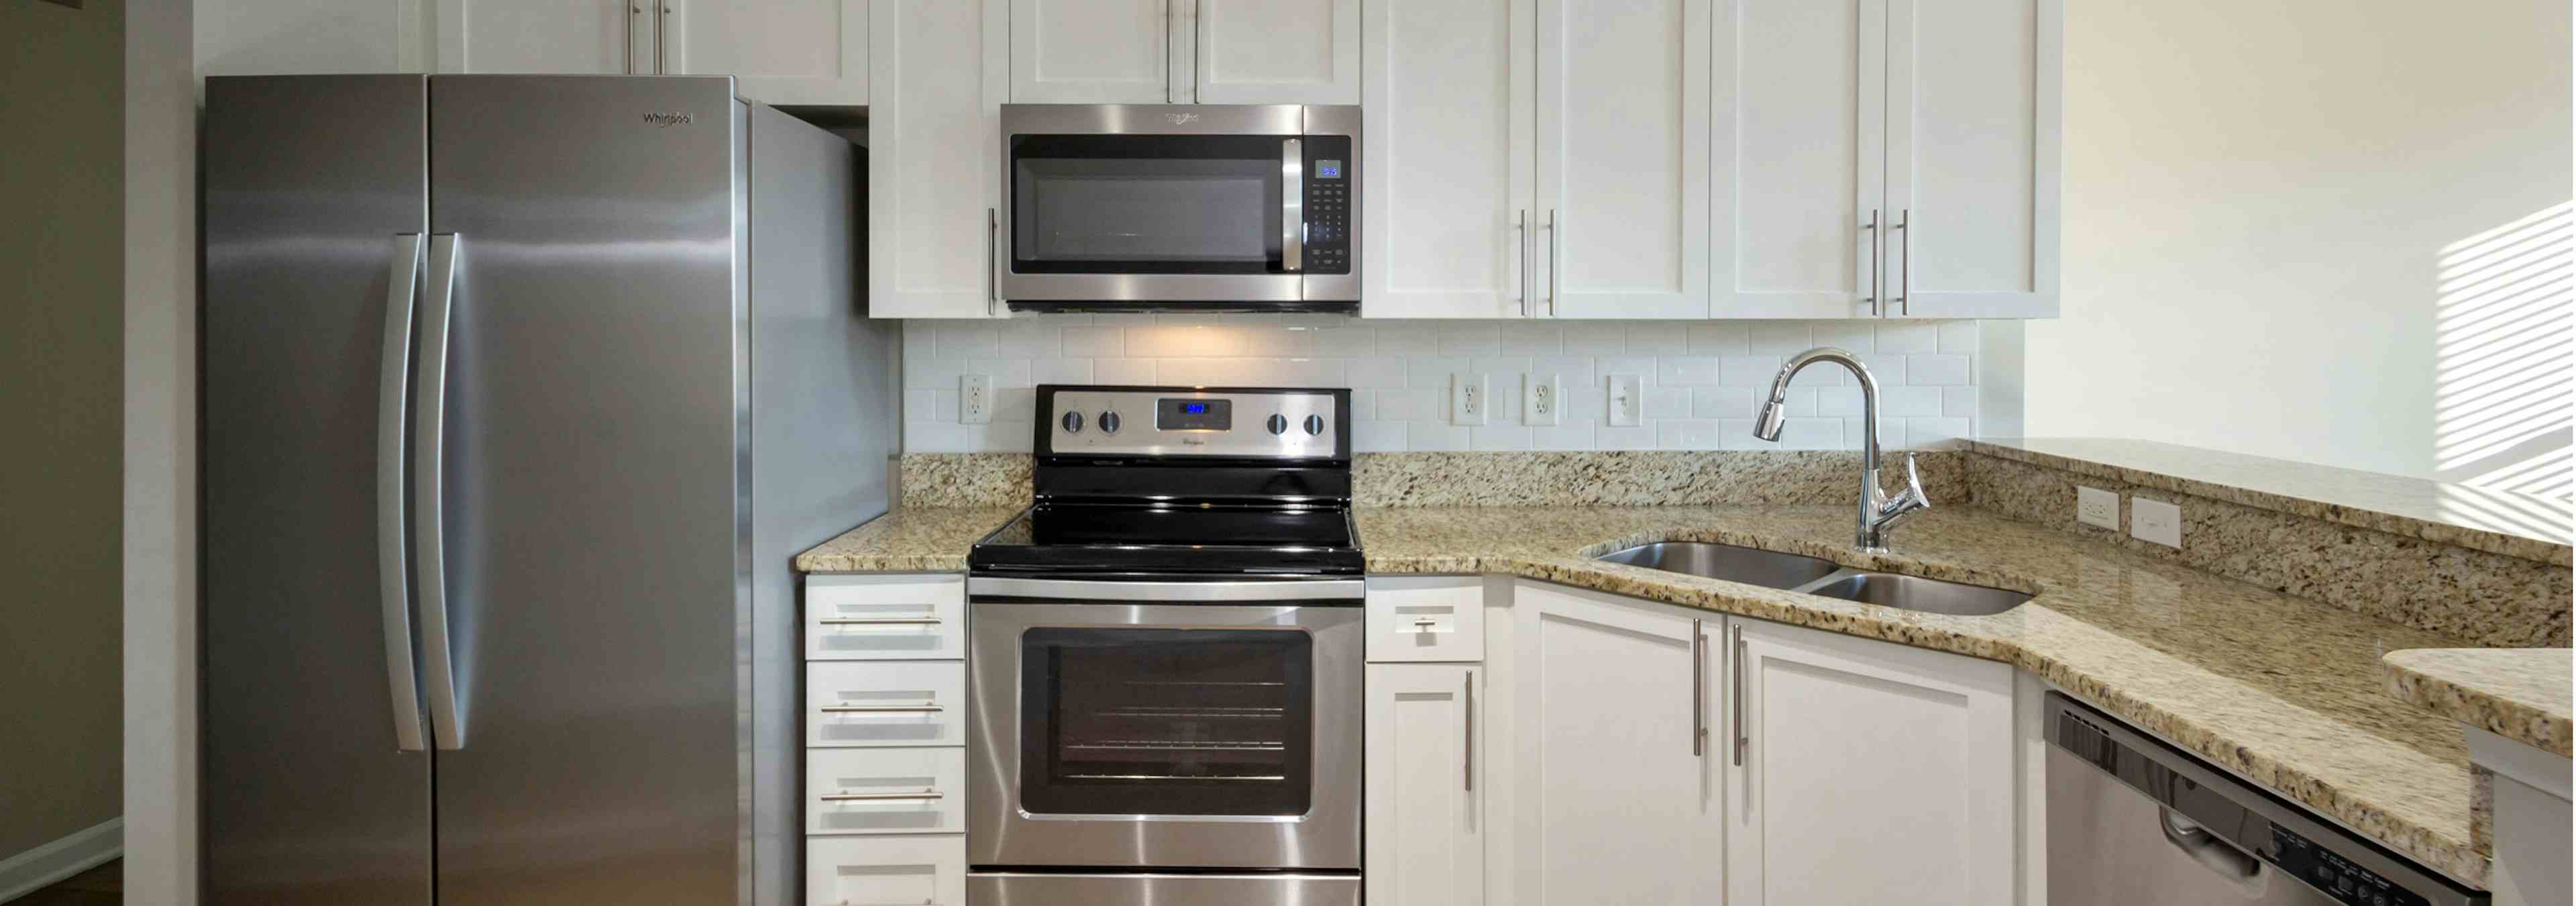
(29, 871)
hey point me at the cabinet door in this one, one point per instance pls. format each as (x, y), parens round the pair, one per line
(1425, 828)
(1799, 139)
(1446, 134)
(1613, 802)
(808, 52)
(295, 37)
(939, 71)
(1972, 158)
(1857, 746)
(1623, 157)
(531, 37)
(1276, 51)
(1091, 51)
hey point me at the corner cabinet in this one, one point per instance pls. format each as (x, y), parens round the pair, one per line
(937, 73)
(1915, 767)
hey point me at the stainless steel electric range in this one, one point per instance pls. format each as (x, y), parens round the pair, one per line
(1166, 656)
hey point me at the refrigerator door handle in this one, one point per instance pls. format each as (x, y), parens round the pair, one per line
(429, 431)
(393, 567)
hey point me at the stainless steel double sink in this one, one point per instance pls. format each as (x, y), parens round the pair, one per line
(1810, 575)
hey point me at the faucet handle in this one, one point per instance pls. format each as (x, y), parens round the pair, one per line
(1908, 502)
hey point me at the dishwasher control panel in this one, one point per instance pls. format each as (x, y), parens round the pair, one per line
(2334, 875)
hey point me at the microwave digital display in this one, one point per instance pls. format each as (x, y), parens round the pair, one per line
(1328, 169)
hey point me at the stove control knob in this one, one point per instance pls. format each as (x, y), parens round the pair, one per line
(1278, 423)
(1073, 423)
(1314, 425)
(1108, 422)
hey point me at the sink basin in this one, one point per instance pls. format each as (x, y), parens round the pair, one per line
(1918, 593)
(1725, 561)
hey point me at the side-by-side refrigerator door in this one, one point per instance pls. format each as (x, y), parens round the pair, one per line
(317, 769)
(589, 588)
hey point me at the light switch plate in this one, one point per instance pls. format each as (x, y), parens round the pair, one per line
(975, 399)
(2155, 522)
(2097, 507)
(1542, 400)
(1467, 403)
(1627, 400)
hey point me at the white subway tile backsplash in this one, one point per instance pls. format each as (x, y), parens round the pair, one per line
(1703, 381)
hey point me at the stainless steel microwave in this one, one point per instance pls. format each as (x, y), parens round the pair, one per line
(1184, 207)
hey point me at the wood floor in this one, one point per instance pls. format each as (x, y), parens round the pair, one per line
(101, 886)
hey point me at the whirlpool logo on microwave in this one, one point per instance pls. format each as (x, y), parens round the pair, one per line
(669, 119)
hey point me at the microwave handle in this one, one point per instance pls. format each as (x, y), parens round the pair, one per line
(1292, 204)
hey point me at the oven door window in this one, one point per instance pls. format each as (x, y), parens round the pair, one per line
(1136, 204)
(1119, 721)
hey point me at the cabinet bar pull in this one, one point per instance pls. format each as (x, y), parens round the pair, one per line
(879, 621)
(992, 261)
(880, 797)
(1469, 760)
(1169, 86)
(1699, 691)
(880, 709)
(1904, 272)
(1555, 242)
(1520, 245)
(661, 37)
(1876, 264)
(1740, 738)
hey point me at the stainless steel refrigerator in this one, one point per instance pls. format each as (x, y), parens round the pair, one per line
(519, 394)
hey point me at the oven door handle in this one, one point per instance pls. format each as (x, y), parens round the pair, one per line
(1070, 590)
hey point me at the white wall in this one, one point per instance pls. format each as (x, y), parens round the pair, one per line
(2261, 199)
(1702, 380)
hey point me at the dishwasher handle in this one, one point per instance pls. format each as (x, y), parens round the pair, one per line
(2205, 848)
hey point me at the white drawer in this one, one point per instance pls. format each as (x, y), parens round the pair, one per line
(1426, 618)
(885, 703)
(885, 791)
(885, 871)
(885, 618)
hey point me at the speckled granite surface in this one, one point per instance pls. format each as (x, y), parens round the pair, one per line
(2283, 691)
(2488, 598)
(2498, 522)
(965, 479)
(1638, 478)
(2521, 694)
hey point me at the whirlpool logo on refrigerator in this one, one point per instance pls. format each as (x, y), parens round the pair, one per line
(669, 119)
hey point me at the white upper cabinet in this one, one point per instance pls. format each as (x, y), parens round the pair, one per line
(938, 70)
(1972, 158)
(1799, 136)
(1623, 157)
(803, 52)
(1446, 213)
(593, 37)
(1091, 51)
(296, 37)
(1871, 773)
(1276, 51)
(1614, 799)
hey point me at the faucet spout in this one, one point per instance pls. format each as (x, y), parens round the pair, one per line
(1880, 512)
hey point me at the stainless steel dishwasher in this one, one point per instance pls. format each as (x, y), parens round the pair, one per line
(2134, 822)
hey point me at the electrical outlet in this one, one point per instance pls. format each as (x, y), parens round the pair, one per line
(2097, 507)
(1467, 403)
(2155, 522)
(975, 399)
(1627, 400)
(1539, 400)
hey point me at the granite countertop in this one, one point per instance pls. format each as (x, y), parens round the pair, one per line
(2284, 691)
(2521, 694)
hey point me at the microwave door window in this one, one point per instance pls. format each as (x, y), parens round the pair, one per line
(1166, 721)
(1146, 205)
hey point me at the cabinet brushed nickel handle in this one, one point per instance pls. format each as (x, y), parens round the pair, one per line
(1469, 760)
(1426, 622)
(1555, 274)
(1520, 260)
(879, 621)
(1876, 264)
(1740, 738)
(1169, 87)
(880, 797)
(633, 11)
(992, 261)
(1905, 271)
(1699, 690)
(661, 38)
(880, 709)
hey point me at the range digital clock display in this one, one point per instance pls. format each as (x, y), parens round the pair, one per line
(1194, 414)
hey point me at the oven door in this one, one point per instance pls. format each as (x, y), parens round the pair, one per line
(1164, 724)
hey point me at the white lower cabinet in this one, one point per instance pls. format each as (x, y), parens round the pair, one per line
(1871, 773)
(885, 791)
(883, 871)
(1426, 839)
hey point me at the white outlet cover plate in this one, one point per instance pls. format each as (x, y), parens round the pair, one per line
(2155, 522)
(1627, 400)
(1542, 400)
(1467, 402)
(975, 399)
(2097, 507)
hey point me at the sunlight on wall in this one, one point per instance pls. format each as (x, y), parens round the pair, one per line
(2504, 352)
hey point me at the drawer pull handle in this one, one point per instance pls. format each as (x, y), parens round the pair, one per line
(880, 797)
(1426, 623)
(881, 709)
(880, 621)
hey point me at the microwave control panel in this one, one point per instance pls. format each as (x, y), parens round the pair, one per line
(1332, 198)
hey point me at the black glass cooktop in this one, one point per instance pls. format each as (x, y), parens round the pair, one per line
(1172, 538)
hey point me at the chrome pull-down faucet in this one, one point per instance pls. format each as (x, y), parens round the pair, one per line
(1879, 512)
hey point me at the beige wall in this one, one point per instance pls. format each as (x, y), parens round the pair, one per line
(2262, 200)
(61, 363)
